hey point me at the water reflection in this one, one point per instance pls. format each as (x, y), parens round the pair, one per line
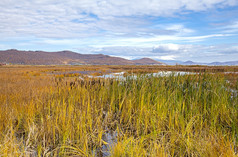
(110, 139)
(121, 75)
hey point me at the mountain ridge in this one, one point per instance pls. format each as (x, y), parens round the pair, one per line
(147, 61)
(189, 62)
(65, 57)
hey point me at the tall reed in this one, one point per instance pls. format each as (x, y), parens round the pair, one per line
(190, 115)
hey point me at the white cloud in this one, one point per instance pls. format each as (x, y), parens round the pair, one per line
(231, 28)
(74, 18)
(179, 28)
(168, 57)
(149, 41)
(114, 27)
(182, 52)
(164, 48)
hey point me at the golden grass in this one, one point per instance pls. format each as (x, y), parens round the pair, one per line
(45, 114)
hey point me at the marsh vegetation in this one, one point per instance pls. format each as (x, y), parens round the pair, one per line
(46, 113)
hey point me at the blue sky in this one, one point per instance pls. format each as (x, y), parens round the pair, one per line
(197, 30)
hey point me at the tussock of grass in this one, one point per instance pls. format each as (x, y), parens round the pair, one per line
(192, 115)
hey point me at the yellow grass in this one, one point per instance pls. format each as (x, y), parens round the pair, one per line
(45, 112)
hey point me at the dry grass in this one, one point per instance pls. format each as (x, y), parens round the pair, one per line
(44, 114)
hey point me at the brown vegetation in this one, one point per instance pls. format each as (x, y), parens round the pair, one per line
(45, 111)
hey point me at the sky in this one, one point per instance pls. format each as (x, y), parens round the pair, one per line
(197, 30)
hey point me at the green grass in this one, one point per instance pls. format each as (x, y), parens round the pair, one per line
(192, 115)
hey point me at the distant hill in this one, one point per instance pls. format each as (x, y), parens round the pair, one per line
(189, 63)
(147, 61)
(170, 62)
(193, 63)
(66, 57)
(96, 59)
(224, 63)
(174, 62)
(212, 64)
(30, 57)
(72, 58)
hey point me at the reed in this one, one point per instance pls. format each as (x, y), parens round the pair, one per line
(54, 115)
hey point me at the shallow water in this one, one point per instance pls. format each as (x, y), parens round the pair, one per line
(111, 139)
(174, 73)
(120, 75)
(112, 75)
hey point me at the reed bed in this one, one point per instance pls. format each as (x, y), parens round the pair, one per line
(45, 115)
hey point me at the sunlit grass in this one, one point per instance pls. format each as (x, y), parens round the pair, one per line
(47, 115)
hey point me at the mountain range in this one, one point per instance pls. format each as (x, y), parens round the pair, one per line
(177, 62)
(14, 56)
(211, 64)
(67, 58)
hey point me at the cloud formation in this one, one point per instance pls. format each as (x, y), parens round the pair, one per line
(199, 53)
(73, 18)
(166, 29)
